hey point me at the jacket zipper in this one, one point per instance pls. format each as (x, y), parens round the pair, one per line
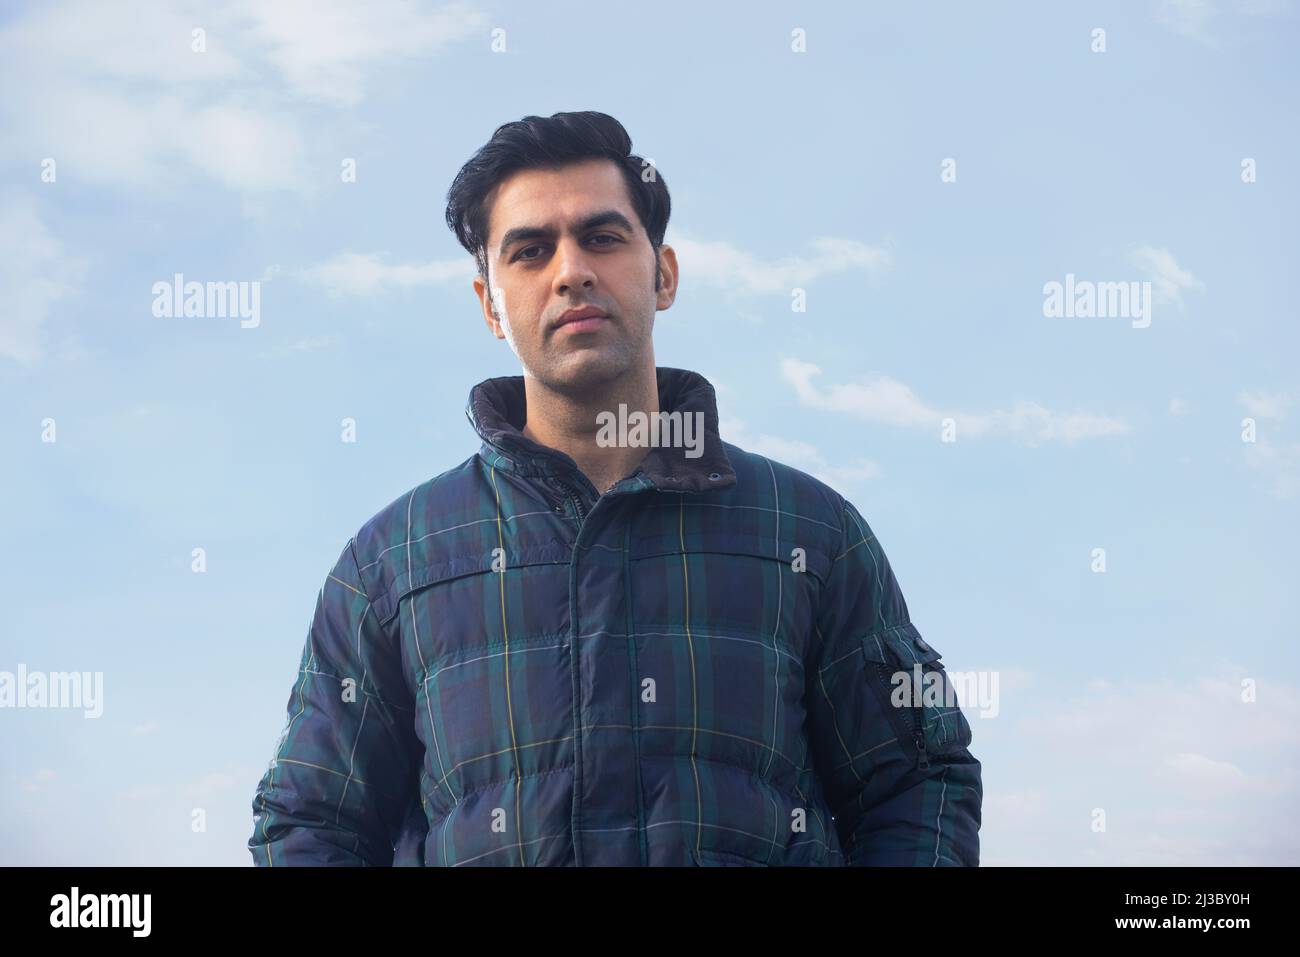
(915, 727)
(574, 496)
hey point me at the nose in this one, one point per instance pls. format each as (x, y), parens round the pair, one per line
(572, 269)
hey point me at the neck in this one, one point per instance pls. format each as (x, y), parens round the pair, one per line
(568, 422)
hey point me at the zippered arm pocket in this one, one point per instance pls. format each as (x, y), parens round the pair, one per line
(915, 692)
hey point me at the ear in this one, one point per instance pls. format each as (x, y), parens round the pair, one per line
(485, 303)
(667, 277)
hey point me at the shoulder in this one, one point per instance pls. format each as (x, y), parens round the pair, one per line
(383, 543)
(770, 483)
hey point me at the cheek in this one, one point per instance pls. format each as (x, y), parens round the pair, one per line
(636, 293)
(522, 308)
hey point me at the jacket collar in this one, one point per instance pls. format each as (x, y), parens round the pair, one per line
(497, 407)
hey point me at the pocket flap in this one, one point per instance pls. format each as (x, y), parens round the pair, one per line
(899, 649)
(900, 644)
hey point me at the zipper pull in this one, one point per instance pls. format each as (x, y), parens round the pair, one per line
(923, 759)
(555, 486)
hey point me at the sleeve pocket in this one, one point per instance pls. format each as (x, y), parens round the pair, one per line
(915, 691)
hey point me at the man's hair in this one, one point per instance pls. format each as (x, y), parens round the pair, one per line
(538, 142)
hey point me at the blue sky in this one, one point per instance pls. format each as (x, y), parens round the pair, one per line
(817, 170)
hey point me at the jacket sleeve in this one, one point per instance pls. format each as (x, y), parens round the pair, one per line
(343, 784)
(891, 753)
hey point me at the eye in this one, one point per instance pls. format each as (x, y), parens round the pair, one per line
(520, 257)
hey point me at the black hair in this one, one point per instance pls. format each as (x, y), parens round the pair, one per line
(551, 142)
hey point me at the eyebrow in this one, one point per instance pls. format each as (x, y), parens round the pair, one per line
(606, 217)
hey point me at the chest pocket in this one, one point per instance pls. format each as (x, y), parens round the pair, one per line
(926, 717)
(718, 579)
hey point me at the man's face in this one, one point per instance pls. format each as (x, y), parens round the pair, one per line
(560, 240)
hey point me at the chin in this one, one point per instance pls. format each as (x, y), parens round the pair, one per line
(585, 368)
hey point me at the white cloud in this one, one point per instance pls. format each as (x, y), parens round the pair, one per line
(1278, 464)
(307, 344)
(1189, 18)
(738, 272)
(1194, 18)
(889, 402)
(35, 272)
(361, 274)
(1265, 405)
(1186, 772)
(1196, 770)
(324, 50)
(215, 781)
(796, 453)
(1178, 406)
(1205, 717)
(1168, 279)
(116, 94)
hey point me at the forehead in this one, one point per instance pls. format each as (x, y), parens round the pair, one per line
(554, 197)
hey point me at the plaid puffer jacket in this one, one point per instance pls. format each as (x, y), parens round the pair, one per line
(694, 668)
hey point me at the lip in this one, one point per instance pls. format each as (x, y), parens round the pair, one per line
(584, 319)
(576, 326)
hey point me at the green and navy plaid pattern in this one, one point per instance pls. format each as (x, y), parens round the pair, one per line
(506, 668)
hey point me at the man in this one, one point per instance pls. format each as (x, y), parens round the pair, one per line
(579, 647)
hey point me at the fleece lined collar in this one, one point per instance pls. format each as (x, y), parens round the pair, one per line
(497, 410)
